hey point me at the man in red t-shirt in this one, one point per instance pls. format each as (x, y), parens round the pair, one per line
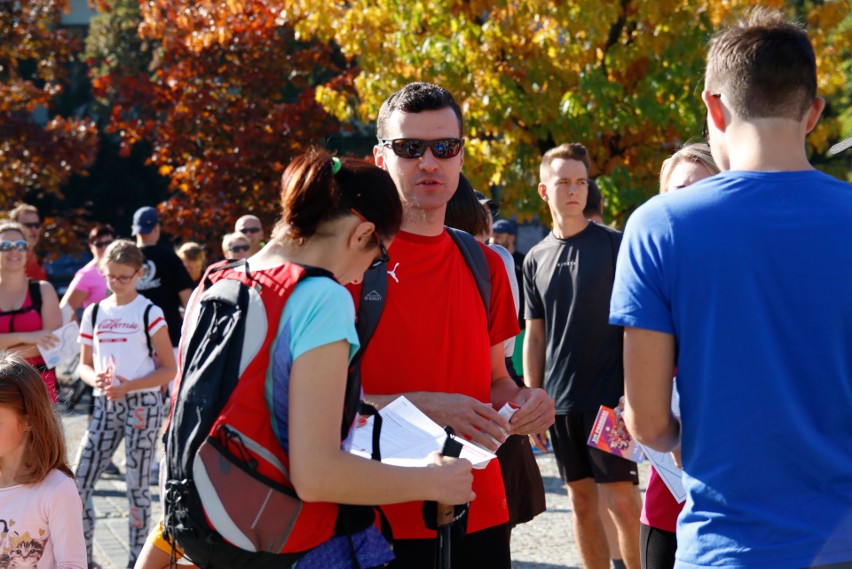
(433, 343)
(27, 215)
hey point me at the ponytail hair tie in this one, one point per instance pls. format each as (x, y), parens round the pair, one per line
(335, 165)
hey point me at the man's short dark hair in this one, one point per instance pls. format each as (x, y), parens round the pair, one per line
(414, 98)
(567, 151)
(764, 66)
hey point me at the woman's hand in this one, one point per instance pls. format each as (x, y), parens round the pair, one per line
(118, 389)
(42, 338)
(103, 380)
(453, 479)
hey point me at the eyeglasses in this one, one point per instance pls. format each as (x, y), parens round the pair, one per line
(384, 256)
(13, 246)
(101, 244)
(442, 148)
(250, 230)
(123, 279)
(238, 248)
(32, 225)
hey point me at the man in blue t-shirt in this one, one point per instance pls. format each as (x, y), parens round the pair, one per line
(744, 282)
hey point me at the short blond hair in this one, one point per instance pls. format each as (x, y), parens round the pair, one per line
(696, 152)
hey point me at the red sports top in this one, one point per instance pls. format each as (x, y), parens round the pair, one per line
(660, 509)
(433, 336)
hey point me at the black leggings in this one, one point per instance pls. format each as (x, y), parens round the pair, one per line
(657, 547)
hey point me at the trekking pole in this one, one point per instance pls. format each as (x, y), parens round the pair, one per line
(446, 512)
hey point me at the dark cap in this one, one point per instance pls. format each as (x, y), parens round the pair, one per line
(504, 226)
(840, 147)
(488, 202)
(144, 220)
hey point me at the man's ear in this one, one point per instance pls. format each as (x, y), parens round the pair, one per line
(379, 157)
(715, 110)
(814, 112)
(542, 190)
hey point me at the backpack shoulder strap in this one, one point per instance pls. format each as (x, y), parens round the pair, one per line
(95, 308)
(35, 294)
(374, 289)
(478, 264)
(148, 332)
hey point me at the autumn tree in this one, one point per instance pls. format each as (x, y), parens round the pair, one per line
(225, 99)
(622, 76)
(39, 149)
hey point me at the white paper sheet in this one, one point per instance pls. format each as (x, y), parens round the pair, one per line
(408, 436)
(66, 348)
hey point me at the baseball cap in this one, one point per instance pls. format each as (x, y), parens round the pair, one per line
(488, 202)
(504, 226)
(840, 147)
(144, 220)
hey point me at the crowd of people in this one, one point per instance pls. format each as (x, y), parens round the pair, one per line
(727, 293)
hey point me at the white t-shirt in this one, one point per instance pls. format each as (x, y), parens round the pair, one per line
(119, 336)
(41, 525)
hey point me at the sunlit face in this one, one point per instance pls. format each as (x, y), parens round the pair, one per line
(426, 183)
(32, 225)
(685, 173)
(252, 229)
(121, 278)
(13, 259)
(237, 249)
(13, 430)
(505, 239)
(565, 188)
(99, 245)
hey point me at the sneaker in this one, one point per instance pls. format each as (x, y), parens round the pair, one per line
(112, 470)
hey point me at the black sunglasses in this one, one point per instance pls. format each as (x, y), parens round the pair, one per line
(249, 230)
(238, 248)
(33, 225)
(384, 256)
(442, 148)
(101, 244)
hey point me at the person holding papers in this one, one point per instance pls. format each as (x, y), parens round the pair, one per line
(29, 309)
(339, 216)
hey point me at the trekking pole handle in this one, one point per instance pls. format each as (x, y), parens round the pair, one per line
(452, 448)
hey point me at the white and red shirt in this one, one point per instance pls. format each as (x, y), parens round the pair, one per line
(119, 336)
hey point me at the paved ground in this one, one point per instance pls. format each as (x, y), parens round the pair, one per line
(545, 543)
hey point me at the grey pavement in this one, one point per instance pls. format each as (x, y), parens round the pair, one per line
(547, 542)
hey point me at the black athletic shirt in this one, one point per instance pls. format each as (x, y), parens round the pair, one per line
(164, 277)
(568, 283)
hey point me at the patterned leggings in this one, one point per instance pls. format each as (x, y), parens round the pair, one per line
(136, 418)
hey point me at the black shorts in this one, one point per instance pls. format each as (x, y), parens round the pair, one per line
(577, 460)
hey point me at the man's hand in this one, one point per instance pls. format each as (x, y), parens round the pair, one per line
(536, 414)
(468, 417)
(539, 441)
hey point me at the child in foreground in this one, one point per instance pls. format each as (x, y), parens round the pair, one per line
(41, 516)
